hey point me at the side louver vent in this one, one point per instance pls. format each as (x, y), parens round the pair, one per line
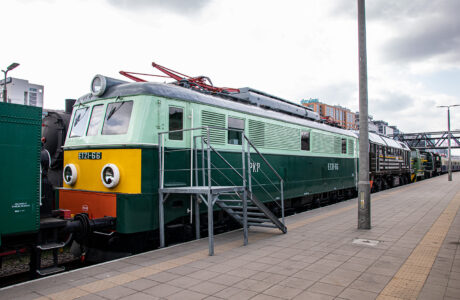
(209, 118)
(337, 145)
(351, 147)
(257, 133)
(322, 143)
(282, 137)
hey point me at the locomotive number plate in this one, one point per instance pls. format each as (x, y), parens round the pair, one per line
(89, 155)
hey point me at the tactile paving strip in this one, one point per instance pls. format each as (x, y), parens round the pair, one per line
(409, 280)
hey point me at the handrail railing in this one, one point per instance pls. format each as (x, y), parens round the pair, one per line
(274, 172)
(207, 165)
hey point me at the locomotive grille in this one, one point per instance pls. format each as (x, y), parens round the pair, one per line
(217, 120)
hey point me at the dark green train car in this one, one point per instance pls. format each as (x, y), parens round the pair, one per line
(20, 132)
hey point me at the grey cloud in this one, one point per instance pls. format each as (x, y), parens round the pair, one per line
(422, 29)
(184, 7)
(391, 102)
(343, 94)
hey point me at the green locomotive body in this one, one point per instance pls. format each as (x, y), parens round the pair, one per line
(121, 127)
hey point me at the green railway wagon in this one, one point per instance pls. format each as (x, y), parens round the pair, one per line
(20, 132)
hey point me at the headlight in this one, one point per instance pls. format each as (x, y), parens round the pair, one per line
(110, 175)
(98, 85)
(70, 174)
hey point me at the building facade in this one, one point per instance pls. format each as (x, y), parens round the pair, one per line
(333, 114)
(20, 91)
(384, 128)
(371, 126)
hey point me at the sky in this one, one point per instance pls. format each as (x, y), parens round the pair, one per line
(293, 49)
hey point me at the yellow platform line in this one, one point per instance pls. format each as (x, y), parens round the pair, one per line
(410, 278)
(104, 284)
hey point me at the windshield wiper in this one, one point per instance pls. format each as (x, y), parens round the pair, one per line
(113, 111)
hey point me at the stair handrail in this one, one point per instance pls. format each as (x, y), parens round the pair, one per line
(204, 140)
(273, 170)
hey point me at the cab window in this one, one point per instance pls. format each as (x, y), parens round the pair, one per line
(79, 122)
(117, 118)
(235, 136)
(305, 141)
(176, 122)
(95, 120)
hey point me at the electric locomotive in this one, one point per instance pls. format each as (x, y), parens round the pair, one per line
(111, 152)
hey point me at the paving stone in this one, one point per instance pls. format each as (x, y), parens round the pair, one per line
(297, 283)
(242, 272)
(140, 284)
(309, 275)
(282, 291)
(163, 277)
(454, 283)
(203, 275)
(226, 279)
(327, 289)
(269, 277)
(308, 295)
(282, 270)
(187, 295)
(452, 292)
(26, 296)
(253, 285)
(116, 292)
(431, 291)
(353, 267)
(184, 282)
(140, 296)
(208, 288)
(354, 294)
(183, 270)
(323, 266)
(162, 290)
(337, 257)
(371, 282)
(340, 277)
(228, 292)
(89, 297)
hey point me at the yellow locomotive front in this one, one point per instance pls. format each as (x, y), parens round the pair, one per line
(108, 158)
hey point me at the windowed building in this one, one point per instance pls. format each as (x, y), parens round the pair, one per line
(334, 114)
(20, 91)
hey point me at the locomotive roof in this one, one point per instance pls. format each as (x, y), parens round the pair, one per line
(177, 92)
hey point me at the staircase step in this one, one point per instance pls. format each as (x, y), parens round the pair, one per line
(229, 200)
(259, 220)
(253, 208)
(50, 246)
(254, 214)
(262, 225)
(50, 270)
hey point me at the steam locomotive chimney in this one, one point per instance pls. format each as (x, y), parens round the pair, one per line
(69, 105)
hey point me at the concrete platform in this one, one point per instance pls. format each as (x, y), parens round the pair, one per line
(417, 256)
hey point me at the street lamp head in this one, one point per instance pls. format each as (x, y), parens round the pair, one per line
(453, 105)
(12, 66)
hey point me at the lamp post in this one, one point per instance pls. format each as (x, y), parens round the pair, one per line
(10, 67)
(449, 163)
(364, 187)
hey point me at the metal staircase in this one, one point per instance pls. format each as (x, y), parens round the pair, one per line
(258, 213)
(238, 200)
